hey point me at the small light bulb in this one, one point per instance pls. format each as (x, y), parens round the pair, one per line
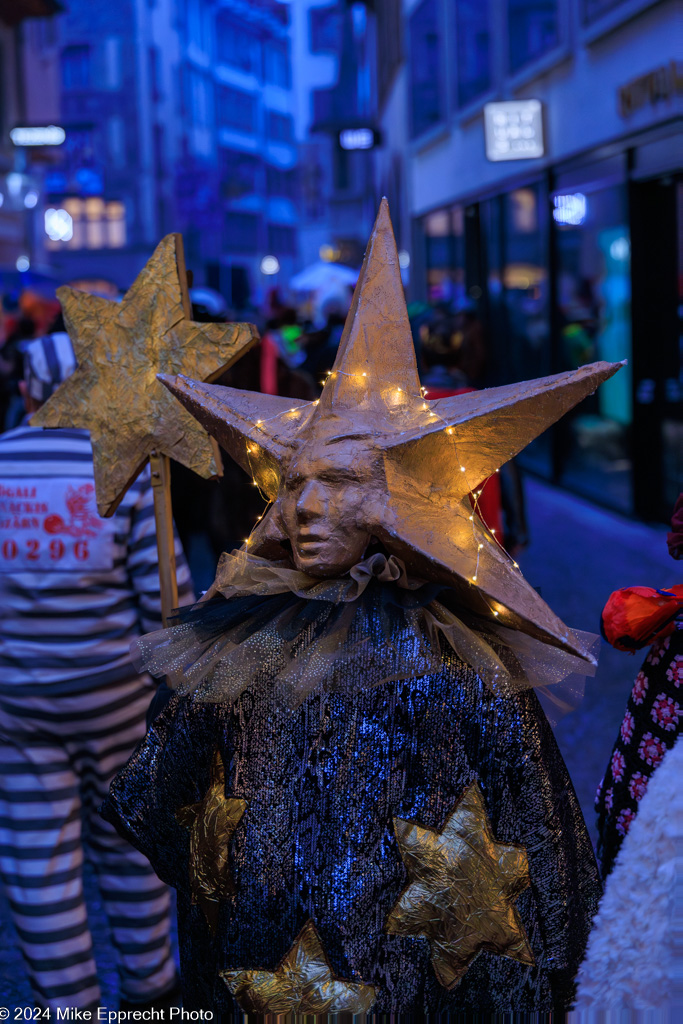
(471, 519)
(496, 614)
(462, 469)
(493, 531)
(424, 405)
(425, 392)
(365, 374)
(399, 390)
(515, 565)
(292, 410)
(449, 430)
(316, 401)
(259, 422)
(497, 471)
(474, 579)
(480, 546)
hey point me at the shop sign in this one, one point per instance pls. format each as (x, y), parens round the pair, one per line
(38, 135)
(514, 130)
(358, 138)
(647, 90)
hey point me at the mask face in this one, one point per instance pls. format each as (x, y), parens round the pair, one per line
(323, 498)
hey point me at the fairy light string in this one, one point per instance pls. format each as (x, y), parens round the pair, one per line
(489, 534)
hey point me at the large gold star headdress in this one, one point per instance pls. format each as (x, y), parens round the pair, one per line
(119, 348)
(434, 453)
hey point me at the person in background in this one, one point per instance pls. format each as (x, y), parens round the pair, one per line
(444, 353)
(75, 591)
(634, 618)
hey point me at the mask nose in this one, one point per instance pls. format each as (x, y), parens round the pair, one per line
(311, 502)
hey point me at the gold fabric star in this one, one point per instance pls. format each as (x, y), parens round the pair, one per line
(302, 983)
(461, 891)
(120, 347)
(212, 823)
(428, 456)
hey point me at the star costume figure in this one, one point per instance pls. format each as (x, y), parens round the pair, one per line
(364, 669)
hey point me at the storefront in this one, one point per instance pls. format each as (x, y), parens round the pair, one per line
(576, 262)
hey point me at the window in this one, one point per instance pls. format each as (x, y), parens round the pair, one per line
(75, 68)
(425, 73)
(389, 43)
(593, 288)
(325, 29)
(116, 141)
(154, 73)
(281, 182)
(240, 173)
(242, 232)
(111, 52)
(322, 106)
(473, 48)
(281, 240)
(197, 101)
(280, 127)
(276, 65)
(97, 224)
(159, 146)
(236, 46)
(236, 109)
(533, 29)
(444, 233)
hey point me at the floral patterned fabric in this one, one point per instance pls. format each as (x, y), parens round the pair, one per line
(653, 721)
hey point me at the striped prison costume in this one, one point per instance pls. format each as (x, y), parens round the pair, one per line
(75, 590)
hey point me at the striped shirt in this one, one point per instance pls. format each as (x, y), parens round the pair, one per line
(75, 589)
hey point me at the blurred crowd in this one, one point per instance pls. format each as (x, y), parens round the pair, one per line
(299, 340)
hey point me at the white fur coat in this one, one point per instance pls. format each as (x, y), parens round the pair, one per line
(633, 969)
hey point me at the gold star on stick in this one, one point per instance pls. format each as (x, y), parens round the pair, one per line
(427, 456)
(302, 983)
(120, 347)
(212, 823)
(461, 891)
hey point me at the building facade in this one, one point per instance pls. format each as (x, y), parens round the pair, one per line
(19, 177)
(568, 255)
(179, 116)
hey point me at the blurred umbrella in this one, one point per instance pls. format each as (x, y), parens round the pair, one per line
(209, 301)
(323, 275)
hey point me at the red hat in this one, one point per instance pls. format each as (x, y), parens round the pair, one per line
(635, 617)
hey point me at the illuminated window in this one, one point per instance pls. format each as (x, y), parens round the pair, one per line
(96, 223)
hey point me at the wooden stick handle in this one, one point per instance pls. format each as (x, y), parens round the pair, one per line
(161, 488)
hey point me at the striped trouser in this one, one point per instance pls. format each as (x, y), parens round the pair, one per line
(57, 758)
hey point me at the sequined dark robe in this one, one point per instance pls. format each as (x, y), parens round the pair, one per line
(322, 785)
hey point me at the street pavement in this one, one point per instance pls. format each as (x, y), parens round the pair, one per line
(578, 554)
